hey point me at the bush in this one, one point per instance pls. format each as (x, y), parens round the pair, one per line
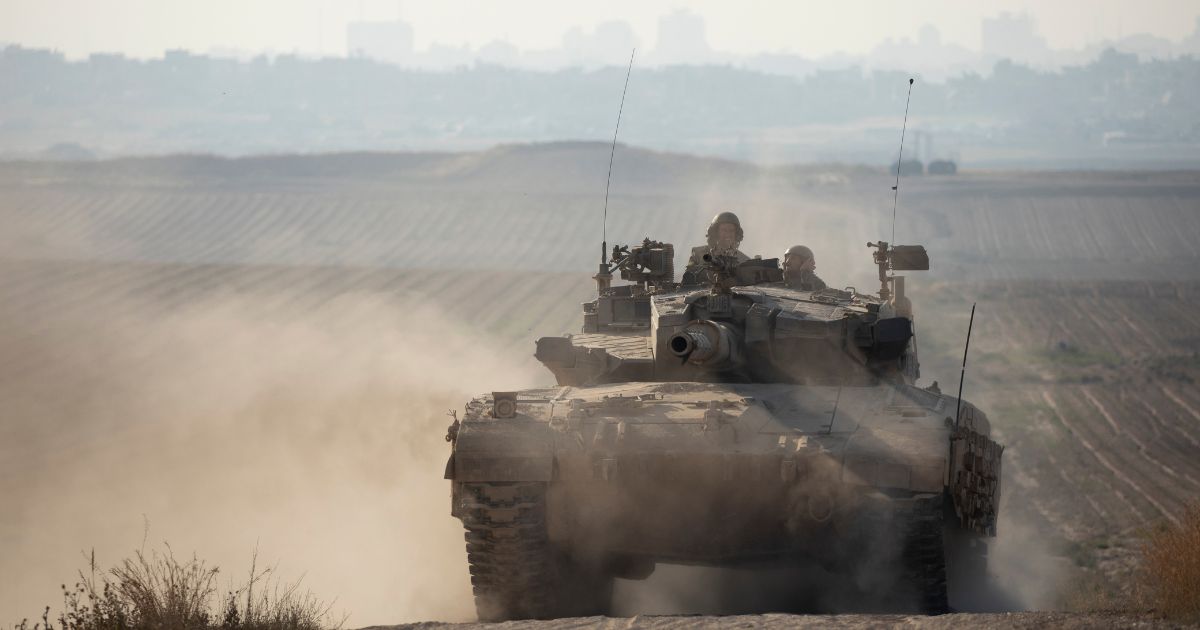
(159, 591)
(1171, 567)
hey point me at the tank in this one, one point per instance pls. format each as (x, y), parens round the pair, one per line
(723, 420)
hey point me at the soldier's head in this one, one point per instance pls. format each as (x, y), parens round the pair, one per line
(725, 231)
(798, 259)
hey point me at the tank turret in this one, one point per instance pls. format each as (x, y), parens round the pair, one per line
(738, 322)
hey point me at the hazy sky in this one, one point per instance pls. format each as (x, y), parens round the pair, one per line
(144, 28)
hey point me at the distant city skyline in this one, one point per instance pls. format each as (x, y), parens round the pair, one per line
(683, 38)
(146, 28)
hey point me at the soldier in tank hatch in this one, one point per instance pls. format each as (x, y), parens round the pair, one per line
(799, 265)
(724, 236)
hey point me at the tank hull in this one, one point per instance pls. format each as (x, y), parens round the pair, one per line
(723, 474)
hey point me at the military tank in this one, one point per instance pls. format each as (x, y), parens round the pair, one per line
(723, 420)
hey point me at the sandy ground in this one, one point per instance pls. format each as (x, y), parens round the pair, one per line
(847, 622)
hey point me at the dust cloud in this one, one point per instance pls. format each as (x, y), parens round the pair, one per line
(1023, 574)
(238, 422)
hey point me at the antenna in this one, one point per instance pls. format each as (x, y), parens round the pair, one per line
(900, 160)
(962, 375)
(608, 181)
(833, 416)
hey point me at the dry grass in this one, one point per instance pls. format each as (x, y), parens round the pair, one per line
(1089, 591)
(1171, 568)
(157, 591)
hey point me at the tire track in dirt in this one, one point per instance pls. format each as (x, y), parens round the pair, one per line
(1183, 404)
(1160, 427)
(1072, 524)
(1188, 408)
(1080, 487)
(1121, 432)
(1107, 464)
(1075, 525)
(1151, 341)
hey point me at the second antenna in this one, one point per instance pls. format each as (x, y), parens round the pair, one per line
(611, 153)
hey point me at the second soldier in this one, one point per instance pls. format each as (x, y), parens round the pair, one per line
(799, 266)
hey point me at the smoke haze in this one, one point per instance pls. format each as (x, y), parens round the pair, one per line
(231, 424)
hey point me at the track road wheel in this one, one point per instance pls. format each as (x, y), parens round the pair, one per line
(925, 556)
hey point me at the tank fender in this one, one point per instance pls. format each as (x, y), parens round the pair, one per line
(502, 450)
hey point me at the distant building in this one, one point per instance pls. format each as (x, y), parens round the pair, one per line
(1010, 36)
(682, 39)
(929, 57)
(908, 167)
(943, 167)
(499, 52)
(1191, 44)
(610, 44)
(391, 42)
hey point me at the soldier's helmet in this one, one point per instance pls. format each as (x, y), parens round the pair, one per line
(724, 217)
(798, 251)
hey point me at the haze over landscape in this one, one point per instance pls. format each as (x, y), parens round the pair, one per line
(555, 34)
(246, 265)
(1100, 96)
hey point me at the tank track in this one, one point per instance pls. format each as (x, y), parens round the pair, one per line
(925, 555)
(507, 548)
(896, 552)
(516, 572)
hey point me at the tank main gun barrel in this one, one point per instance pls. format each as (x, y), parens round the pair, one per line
(707, 343)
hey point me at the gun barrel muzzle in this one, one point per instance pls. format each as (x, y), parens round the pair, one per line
(705, 342)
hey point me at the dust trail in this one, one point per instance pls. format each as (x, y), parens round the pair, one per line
(1024, 571)
(1023, 574)
(234, 422)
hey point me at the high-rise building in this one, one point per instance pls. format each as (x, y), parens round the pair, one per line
(1015, 37)
(682, 39)
(391, 42)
